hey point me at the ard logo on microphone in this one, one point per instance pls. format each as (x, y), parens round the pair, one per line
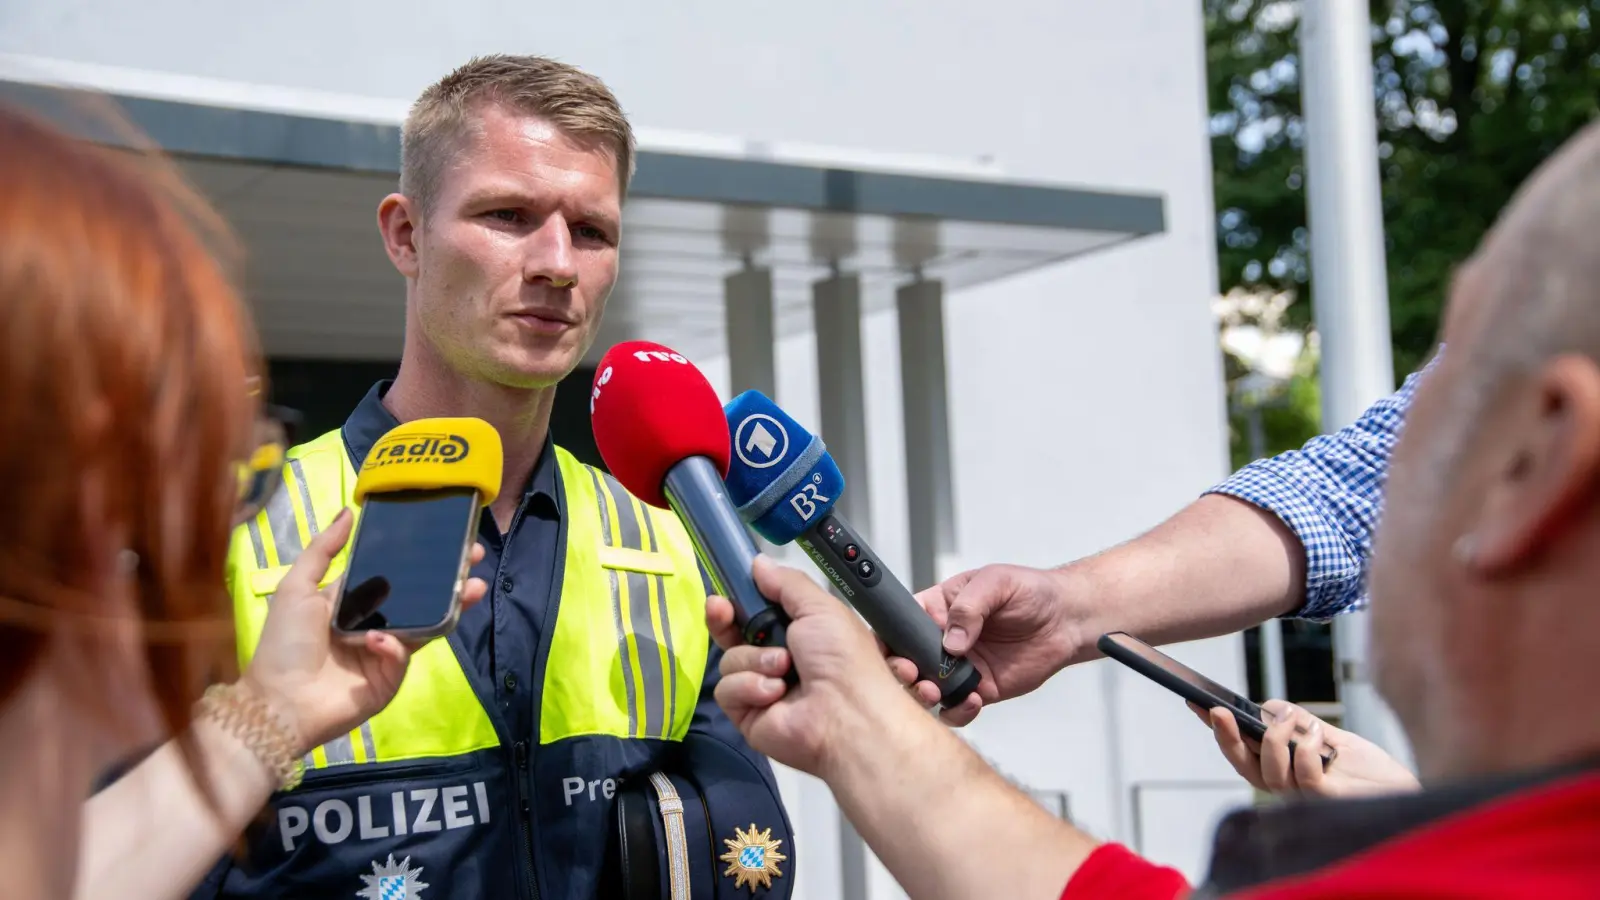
(760, 441)
(419, 448)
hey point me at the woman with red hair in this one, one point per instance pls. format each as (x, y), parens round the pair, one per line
(132, 441)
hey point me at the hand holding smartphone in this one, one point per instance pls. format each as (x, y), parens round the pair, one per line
(421, 490)
(1192, 686)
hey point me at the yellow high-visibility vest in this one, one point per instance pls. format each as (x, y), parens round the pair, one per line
(627, 650)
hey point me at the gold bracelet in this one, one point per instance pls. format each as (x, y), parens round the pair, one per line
(251, 721)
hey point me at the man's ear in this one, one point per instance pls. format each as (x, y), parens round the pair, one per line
(1549, 470)
(398, 222)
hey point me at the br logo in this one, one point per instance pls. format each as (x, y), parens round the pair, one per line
(806, 501)
(420, 448)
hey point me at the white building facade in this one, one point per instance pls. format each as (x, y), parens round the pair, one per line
(862, 200)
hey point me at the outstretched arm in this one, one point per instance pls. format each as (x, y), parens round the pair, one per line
(1329, 494)
(944, 823)
(1289, 535)
(152, 833)
(1286, 536)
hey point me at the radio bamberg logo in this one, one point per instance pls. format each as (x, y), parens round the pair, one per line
(419, 448)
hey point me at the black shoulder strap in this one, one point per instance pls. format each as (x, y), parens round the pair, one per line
(633, 865)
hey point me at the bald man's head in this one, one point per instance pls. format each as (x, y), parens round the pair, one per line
(1486, 578)
(1539, 272)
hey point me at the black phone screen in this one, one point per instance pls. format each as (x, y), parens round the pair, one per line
(406, 559)
(1192, 686)
(1201, 690)
(1187, 674)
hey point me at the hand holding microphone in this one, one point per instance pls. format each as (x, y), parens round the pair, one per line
(420, 490)
(785, 484)
(418, 494)
(660, 429)
(847, 695)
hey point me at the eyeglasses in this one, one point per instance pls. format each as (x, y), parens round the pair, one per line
(260, 476)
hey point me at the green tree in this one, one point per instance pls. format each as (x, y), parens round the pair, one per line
(1289, 417)
(1289, 405)
(1471, 95)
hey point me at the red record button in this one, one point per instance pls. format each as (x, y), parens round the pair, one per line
(851, 552)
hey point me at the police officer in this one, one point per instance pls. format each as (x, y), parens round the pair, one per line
(586, 675)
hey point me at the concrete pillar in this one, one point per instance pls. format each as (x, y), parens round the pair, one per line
(749, 316)
(836, 306)
(930, 488)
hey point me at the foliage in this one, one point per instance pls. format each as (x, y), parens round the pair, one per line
(1471, 95)
(1290, 405)
(1291, 418)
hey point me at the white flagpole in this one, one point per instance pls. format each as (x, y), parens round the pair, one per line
(1345, 217)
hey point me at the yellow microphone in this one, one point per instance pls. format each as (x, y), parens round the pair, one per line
(433, 454)
(421, 491)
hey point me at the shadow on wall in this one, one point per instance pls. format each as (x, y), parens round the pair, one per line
(325, 391)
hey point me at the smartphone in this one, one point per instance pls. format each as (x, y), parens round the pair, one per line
(408, 564)
(1192, 686)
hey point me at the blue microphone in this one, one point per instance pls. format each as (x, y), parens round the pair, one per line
(785, 484)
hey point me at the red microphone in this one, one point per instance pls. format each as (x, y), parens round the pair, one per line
(661, 431)
(650, 409)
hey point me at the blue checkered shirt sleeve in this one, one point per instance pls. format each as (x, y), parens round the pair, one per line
(1329, 493)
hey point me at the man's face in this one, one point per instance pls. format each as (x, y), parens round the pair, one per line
(518, 253)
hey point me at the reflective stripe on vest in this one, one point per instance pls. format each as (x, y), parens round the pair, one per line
(638, 635)
(627, 650)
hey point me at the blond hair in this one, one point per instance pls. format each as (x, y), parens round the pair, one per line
(573, 100)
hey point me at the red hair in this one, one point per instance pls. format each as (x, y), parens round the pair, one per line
(124, 352)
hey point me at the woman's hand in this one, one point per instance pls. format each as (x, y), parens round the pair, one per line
(322, 687)
(1360, 766)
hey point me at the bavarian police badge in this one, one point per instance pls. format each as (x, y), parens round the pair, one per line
(752, 858)
(393, 881)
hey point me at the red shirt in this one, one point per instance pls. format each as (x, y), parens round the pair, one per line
(1543, 842)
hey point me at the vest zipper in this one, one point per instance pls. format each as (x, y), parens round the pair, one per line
(525, 801)
(524, 773)
(521, 776)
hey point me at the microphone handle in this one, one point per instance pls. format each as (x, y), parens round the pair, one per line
(894, 614)
(696, 492)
